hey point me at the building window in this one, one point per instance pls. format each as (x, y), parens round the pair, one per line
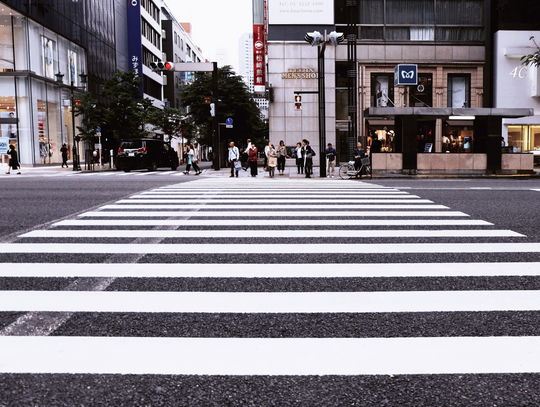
(151, 9)
(459, 91)
(523, 138)
(422, 94)
(382, 89)
(151, 87)
(150, 34)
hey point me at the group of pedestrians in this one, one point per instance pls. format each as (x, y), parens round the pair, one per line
(192, 160)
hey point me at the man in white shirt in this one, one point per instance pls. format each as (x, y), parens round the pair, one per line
(234, 155)
(247, 150)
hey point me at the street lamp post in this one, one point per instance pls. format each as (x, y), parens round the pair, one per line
(317, 39)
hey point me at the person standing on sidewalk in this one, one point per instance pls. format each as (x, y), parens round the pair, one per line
(308, 154)
(64, 151)
(234, 155)
(252, 152)
(13, 160)
(247, 153)
(272, 160)
(299, 159)
(281, 154)
(331, 157)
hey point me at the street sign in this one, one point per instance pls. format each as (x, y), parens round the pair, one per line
(97, 146)
(98, 129)
(405, 74)
(4, 145)
(229, 121)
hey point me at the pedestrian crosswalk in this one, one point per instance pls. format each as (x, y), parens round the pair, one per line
(222, 277)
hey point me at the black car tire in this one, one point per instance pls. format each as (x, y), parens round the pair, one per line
(174, 167)
(127, 170)
(153, 166)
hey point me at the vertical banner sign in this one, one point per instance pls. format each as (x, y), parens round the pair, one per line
(134, 39)
(265, 27)
(258, 58)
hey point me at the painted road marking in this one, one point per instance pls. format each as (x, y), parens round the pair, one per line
(268, 356)
(272, 214)
(272, 206)
(269, 302)
(256, 222)
(212, 248)
(219, 199)
(242, 233)
(287, 270)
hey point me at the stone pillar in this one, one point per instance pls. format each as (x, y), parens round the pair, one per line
(438, 135)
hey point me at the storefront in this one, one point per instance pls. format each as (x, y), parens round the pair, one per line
(469, 142)
(35, 109)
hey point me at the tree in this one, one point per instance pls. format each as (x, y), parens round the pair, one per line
(91, 116)
(235, 102)
(167, 120)
(532, 59)
(127, 113)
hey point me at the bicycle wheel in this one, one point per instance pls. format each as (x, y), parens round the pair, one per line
(346, 172)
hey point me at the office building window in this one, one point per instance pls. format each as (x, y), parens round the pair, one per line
(459, 91)
(422, 94)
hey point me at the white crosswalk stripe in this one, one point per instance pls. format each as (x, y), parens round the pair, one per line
(290, 249)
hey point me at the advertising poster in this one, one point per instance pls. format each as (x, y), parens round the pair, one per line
(72, 67)
(8, 130)
(295, 12)
(381, 90)
(48, 47)
(258, 58)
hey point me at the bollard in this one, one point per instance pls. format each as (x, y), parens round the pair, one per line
(112, 158)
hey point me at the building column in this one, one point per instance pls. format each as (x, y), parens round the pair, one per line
(438, 135)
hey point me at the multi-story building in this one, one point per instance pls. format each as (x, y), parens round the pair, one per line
(441, 124)
(40, 40)
(178, 47)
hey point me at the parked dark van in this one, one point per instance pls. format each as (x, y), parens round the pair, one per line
(146, 153)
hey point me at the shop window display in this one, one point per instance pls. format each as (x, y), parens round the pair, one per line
(457, 139)
(523, 139)
(386, 136)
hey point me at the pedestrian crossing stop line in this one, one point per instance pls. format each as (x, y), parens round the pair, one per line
(268, 356)
(283, 270)
(255, 222)
(242, 233)
(271, 214)
(269, 302)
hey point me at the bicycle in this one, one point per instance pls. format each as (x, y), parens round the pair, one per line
(347, 171)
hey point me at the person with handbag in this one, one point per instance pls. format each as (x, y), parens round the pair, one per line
(281, 154)
(194, 159)
(272, 160)
(234, 155)
(252, 152)
(308, 154)
(189, 154)
(299, 159)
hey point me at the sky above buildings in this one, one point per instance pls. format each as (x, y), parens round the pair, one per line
(216, 24)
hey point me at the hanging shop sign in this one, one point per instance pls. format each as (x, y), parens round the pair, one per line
(300, 73)
(259, 58)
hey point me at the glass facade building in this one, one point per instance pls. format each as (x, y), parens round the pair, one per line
(37, 42)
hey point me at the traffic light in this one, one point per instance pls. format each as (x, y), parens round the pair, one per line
(161, 66)
(297, 102)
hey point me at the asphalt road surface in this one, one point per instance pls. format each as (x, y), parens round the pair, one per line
(150, 290)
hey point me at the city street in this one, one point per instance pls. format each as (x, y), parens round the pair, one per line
(165, 289)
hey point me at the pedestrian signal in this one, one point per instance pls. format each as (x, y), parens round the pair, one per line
(297, 102)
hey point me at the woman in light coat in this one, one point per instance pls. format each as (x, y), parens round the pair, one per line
(271, 163)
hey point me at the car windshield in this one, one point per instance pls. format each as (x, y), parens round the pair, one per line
(131, 145)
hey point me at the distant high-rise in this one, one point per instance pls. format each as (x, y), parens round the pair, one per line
(245, 61)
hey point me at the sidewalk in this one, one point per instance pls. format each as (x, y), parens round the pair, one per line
(289, 173)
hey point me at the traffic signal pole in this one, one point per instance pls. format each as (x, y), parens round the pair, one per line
(215, 99)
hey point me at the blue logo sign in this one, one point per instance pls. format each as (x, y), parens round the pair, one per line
(405, 75)
(229, 122)
(4, 145)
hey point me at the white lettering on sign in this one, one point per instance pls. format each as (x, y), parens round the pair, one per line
(519, 71)
(285, 12)
(407, 75)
